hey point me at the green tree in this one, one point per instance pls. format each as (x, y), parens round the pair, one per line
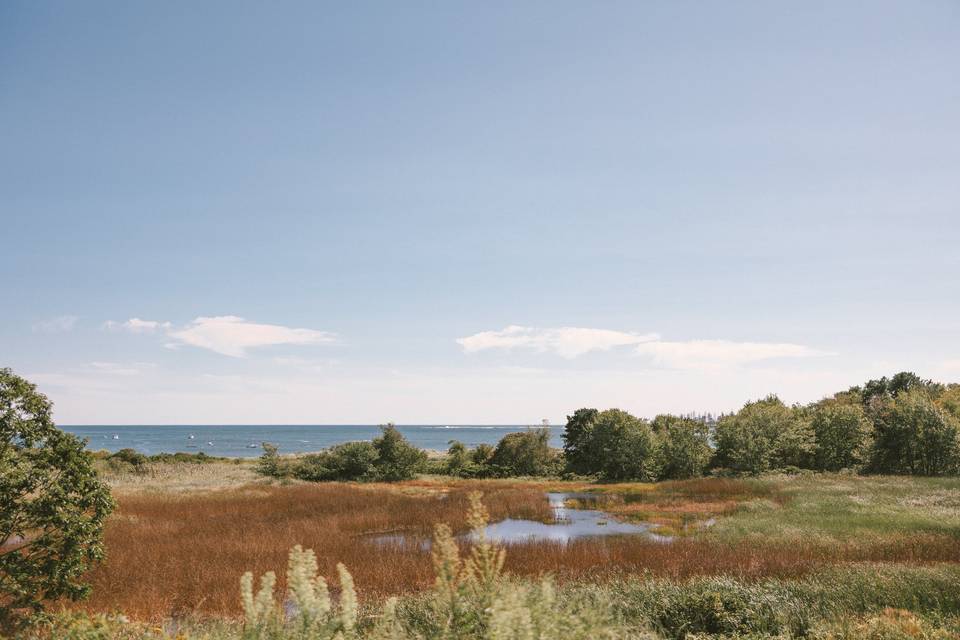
(914, 435)
(524, 453)
(949, 400)
(621, 447)
(684, 446)
(397, 459)
(52, 505)
(764, 435)
(577, 441)
(842, 433)
(892, 387)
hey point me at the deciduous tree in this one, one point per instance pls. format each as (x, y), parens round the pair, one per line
(52, 505)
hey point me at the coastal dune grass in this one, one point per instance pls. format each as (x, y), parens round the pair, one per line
(179, 555)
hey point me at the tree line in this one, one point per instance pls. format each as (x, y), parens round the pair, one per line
(898, 425)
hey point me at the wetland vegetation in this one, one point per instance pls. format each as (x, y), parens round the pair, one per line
(588, 543)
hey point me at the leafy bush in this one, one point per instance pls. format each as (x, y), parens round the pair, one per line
(481, 454)
(127, 459)
(396, 458)
(389, 458)
(271, 464)
(458, 457)
(347, 461)
(466, 463)
(52, 506)
(524, 453)
(180, 457)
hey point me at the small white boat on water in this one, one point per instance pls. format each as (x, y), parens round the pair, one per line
(253, 446)
(209, 444)
(191, 437)
(116, 436)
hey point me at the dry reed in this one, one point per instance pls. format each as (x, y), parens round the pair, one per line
(173, 554)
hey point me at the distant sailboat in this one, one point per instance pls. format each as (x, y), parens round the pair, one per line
(209, 443)
(191, 437)
(252, 446)
(116, 437)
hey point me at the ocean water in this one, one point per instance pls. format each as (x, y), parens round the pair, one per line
(244, 440)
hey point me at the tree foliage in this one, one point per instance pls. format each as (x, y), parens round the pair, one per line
(389, 457)
(886, 388)
(914, 435)
(842, 435)
(52, 505)
(577, 441)
(764, 435)
(346, 461)
(625, 446)
(396, 459)
(684, 446)
(524, 453)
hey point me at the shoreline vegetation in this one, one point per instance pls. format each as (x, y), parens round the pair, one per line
(834, 520)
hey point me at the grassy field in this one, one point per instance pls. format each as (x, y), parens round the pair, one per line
(781, 554)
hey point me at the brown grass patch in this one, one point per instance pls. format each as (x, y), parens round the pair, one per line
(171, 554)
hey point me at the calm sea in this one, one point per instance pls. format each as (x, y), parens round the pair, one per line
(244, 440)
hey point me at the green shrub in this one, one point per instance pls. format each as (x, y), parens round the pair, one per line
(396, 458)
(131, 457)
(271, 464)
(347, 461)
(481, 454)
(458, 457)
(188, 458)
(524, 453)
(469, 463)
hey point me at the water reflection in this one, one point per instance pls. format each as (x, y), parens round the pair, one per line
(569, 524)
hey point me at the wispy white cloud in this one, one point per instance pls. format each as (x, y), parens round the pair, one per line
(227, 335)
(700, 354)
(571, 342)
(568, 342)
(233, 336)
(120, 369)
(136, 325)
(60, 324)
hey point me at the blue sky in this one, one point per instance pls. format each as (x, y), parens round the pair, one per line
(474, 212)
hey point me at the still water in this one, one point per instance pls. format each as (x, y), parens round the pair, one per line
(569, 524)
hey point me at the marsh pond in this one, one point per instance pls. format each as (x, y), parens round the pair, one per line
(569, 523)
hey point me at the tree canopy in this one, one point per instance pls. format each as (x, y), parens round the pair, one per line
(52, 505)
